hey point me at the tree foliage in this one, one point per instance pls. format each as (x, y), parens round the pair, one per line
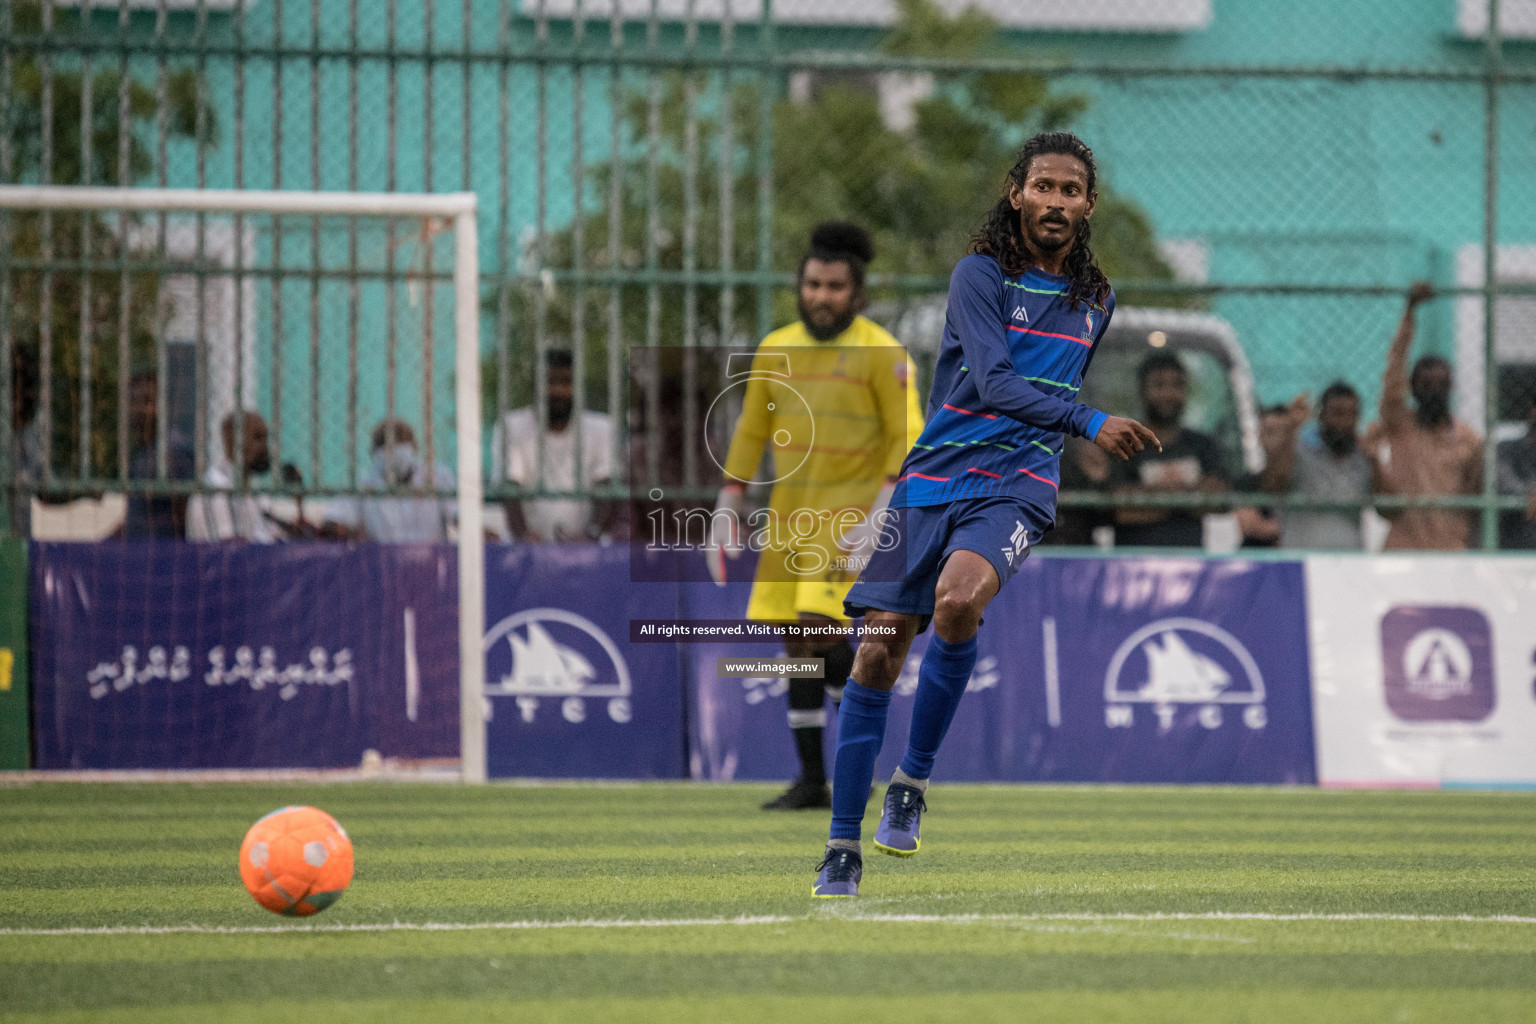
(84, 290)
(920, 185)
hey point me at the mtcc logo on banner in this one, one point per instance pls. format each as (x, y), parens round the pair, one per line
(550, 654)
(1183, 661)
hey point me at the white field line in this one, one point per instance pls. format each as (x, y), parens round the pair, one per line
(715, 922)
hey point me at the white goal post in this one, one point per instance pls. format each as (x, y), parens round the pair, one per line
(458, 210)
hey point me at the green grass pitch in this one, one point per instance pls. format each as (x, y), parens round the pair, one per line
(684, 902)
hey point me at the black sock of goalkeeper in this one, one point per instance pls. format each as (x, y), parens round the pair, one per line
(807, 719)
(837, 663)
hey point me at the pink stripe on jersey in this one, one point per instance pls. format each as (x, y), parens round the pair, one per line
(1042, 479)
(1048, 334)
(983, 415)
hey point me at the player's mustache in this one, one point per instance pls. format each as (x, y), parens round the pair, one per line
(1054, 218)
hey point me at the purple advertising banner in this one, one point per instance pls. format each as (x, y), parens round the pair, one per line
(569, 696)
(168, 654)
(1089, 670)
(175, 655)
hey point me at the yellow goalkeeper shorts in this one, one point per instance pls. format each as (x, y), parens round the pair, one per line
(780, 594)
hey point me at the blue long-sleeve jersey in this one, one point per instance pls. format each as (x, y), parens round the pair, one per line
(1004, 389)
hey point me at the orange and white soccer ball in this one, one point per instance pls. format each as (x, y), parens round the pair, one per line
(296, 861)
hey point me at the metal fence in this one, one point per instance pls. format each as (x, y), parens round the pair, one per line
(649, 170)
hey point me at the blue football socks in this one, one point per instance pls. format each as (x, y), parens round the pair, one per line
(860, 730)
(940, 685)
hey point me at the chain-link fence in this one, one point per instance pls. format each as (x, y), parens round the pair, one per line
(1272, 180)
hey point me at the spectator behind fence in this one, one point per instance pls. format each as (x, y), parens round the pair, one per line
(26, 441)
(1260, 526)
(220, 515)
(1190, 462)
(1424, 451)
(515, 457)
(1324, 463)
(1517, 478)
(154, 515)
(666, 436)
(1085, 468)
(397, 518)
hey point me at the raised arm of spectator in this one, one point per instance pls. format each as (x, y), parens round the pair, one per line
(1280, 464)
(1393, 409)
(1472, 471)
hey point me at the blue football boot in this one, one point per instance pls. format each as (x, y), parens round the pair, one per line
(897, 834)
(838, 875)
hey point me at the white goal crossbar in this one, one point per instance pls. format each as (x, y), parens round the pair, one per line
(458, 208)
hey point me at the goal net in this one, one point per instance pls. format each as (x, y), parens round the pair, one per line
(292, 378)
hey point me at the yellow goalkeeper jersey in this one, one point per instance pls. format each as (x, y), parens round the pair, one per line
(837, 417)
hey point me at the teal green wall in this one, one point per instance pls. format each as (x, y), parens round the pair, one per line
(1322, 181)
(1319, 180)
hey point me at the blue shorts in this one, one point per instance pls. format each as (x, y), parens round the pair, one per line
(904, 577)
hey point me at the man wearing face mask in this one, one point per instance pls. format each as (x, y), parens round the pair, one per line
(222, 513)
(1424, 450)
(520, 456)
(1324, 463)
(398, 518)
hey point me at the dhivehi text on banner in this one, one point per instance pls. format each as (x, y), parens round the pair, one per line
(1424, 669)
(169, 654)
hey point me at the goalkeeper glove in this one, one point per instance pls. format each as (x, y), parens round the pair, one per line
(724, 537)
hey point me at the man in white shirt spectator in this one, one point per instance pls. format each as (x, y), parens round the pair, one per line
(222, 515)
(515, 456)
(398, 518)
(1325, 463)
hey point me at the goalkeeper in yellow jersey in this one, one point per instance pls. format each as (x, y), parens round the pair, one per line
(833, 399)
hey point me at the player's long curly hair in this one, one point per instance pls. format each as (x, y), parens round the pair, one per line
(1001, 237)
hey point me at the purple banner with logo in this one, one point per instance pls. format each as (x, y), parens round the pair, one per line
(168, 654)
(1089, 670)
(569, 695)
(175, 655)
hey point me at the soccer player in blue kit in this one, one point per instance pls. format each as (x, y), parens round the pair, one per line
(1027, 308)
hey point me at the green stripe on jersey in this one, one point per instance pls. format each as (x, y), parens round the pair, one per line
(1054, 383)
